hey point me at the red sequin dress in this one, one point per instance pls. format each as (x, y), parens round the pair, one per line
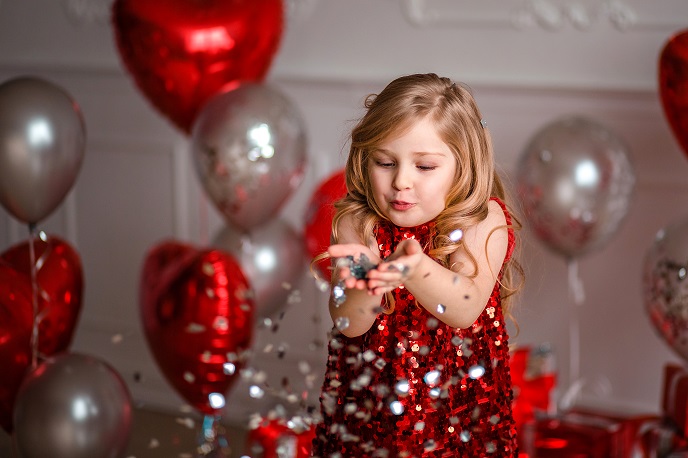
(413, 386)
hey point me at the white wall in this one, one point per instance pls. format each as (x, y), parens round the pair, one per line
(137, 186)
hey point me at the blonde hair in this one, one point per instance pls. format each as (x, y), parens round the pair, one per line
(458, 121)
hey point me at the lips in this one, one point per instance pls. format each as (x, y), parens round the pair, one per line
(400, 205)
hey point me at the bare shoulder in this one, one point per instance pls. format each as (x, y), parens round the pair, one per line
(495, 215)
(489, 235)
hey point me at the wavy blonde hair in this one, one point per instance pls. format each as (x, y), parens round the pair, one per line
(457, 119)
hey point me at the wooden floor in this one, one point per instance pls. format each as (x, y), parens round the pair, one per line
(158, 435)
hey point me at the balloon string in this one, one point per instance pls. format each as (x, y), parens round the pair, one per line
(575, 284)
(34, 296)
(576, 291)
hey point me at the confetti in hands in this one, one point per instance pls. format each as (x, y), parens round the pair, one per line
(356, 270)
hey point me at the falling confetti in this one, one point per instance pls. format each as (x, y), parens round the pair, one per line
(216, 400)
(341, 323)
(256, 392)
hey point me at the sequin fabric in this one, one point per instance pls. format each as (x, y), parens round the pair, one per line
(413, 386)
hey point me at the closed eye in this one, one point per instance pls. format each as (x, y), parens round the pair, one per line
(384, 164)
(427, 167)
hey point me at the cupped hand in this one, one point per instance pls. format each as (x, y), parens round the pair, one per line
(396, 268)
(342, 270)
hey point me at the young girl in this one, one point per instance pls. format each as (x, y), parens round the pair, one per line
(418, 362)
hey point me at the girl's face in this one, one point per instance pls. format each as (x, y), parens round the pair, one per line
(412, 174)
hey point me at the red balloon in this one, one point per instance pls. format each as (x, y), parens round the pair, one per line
(16, 318)
(60, 282)
(319, 214)
(197, 312)
(272, 435)
(673, 85)
(181, 52)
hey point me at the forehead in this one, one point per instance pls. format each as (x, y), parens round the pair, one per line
(421, 136)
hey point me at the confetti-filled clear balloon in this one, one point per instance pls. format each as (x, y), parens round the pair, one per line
(665, 285)
(249, 148)
(575, 181)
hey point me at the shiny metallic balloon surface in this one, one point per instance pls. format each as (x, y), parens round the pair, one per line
(273, 258)
(72, 406)
(42, 141)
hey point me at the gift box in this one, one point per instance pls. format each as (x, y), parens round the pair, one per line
(533, 380)
(588, 433)
(675, 397)
(275, 439)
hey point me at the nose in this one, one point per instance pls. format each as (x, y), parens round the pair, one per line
(402, 178)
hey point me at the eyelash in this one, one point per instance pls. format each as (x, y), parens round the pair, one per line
(424, 168)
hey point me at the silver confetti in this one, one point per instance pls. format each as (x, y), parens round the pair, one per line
(396, 407)
(441, 308)
(216, 400)
(342, 323)
(256, 392)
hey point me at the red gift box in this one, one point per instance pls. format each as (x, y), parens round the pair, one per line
(274, 439)
(533, 379)
(675, 397)
(587, 433)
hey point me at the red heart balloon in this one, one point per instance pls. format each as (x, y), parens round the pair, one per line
(16, 318)
(673, 85)
(60, 282)
(318, 224)
(60, 286)
(182, 52)
(197, 312)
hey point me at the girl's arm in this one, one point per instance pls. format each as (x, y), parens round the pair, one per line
(361, 306)
(452, 295)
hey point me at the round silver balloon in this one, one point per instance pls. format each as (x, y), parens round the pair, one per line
(575, 182)
(42, 138)
(273, 259)
(665, 285)
(72, 406)
(249, 149)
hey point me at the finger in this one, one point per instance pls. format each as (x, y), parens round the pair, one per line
(396, 266)
(345, 249)
(379, 276)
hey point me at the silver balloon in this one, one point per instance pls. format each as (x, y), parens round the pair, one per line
(665, 285)
(249, 148)
(42, 139)
(273, 259)
(575, 181)
(72, 406)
